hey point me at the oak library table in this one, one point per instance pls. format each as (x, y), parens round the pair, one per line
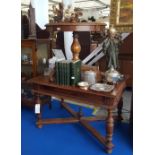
(108, 100)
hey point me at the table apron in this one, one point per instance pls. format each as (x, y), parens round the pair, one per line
(85, 98)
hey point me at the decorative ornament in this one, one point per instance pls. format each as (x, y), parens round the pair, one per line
(58, 12)
(75, 47)
(110, 46)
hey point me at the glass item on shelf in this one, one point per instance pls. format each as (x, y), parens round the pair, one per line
(24, 57)
(46, 71)
(44, 60)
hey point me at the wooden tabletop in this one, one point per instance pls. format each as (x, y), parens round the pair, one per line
(84, 26)
(44, 81)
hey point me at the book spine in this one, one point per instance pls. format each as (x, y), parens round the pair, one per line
(72, 78)
(57, 73)
(60, 73)
(75, 72)
(65, 72)
(68, 75)
(78, 72)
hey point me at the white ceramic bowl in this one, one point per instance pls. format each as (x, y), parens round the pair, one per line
(83, 85)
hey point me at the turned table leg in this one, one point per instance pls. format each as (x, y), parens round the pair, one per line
(109, 131)
(119, 108)
(80, 112)
(50, 102)
(38, 111)
(61, 102)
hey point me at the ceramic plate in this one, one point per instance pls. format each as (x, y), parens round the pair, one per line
(102, 87)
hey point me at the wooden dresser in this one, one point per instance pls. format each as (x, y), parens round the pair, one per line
(126, 58)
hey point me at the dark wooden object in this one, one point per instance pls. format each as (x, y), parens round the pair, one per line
(110, 101)
(30, 30)
(85, 42)
(75, 27)
(48, 44)
(42, 34)
(31, 43)
(24, 26)
(84, 39)
(32, 36)
(32, 25)
(126, 58)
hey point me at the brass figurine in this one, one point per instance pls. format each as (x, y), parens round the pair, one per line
(111, 47)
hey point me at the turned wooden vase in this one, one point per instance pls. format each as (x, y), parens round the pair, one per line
(75, 47)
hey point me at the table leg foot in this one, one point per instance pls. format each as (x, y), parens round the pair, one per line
(40, 126)
(38, 101)
(109, 151)
(50, 103)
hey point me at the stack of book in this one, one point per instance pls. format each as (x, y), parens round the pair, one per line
(68, 72)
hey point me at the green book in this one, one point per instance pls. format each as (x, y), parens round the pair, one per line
(60, 73)
(68, 73)
(65, 71)
(57, 72)
(75, 72)
(78, 72)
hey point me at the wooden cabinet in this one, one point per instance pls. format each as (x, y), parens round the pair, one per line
(126, 67)
(28, 69)
(28, 48)
(32, 52)
(126, 58)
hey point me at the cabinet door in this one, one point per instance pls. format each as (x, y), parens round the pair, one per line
(28, 57)
(126, 68)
